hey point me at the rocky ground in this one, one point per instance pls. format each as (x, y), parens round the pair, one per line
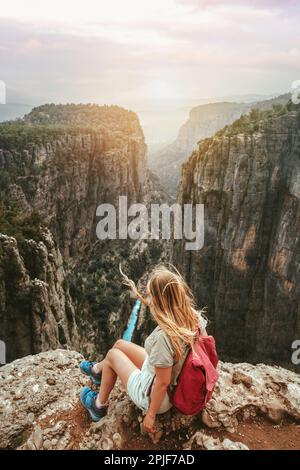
(254, 407)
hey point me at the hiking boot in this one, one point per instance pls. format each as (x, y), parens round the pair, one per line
(88, 400)
(86, 368)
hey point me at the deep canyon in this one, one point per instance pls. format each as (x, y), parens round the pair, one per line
(60, 287)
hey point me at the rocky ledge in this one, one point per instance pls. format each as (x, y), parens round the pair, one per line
(253, 407)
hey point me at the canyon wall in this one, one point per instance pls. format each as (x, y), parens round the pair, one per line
(56, 166)
(204, 121)
(60, 286)
(65, 169)
(36, 311)
(248, 273)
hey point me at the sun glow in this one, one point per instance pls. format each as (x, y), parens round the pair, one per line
(142, 53)
(160, 89)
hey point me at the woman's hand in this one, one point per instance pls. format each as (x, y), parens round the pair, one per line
(148, 422)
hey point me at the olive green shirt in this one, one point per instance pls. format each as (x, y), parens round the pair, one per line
(161, 354)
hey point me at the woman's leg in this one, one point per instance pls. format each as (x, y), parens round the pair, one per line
(135, 353)
(116, 364)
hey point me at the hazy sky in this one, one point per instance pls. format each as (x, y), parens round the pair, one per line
(138, 50)
(147, 52)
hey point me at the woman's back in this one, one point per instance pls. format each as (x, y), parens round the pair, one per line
(161, 353)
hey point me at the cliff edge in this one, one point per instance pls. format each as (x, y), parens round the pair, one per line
(253, 407)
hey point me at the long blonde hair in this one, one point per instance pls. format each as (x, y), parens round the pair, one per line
(172, 306)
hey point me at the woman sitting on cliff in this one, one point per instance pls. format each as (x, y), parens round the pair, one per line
(147, 372)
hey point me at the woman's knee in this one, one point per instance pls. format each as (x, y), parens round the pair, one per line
(111, 354)
(119, 343)
(120, 364)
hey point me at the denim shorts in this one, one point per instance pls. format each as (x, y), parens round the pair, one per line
(138, 385)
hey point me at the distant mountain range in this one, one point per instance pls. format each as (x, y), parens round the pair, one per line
(13, 110)
(204, 121)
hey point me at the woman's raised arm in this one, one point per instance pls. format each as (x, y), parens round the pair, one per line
(162, 381)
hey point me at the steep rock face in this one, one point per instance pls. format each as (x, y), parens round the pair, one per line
(56, 166)
(61, 162)
(36, 312)
(40, 409)
(67, 170)
(248, 271)
(204, 121)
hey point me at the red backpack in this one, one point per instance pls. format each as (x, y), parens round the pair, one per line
(197, 378)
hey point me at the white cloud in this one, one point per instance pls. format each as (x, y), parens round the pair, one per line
(129, 49)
